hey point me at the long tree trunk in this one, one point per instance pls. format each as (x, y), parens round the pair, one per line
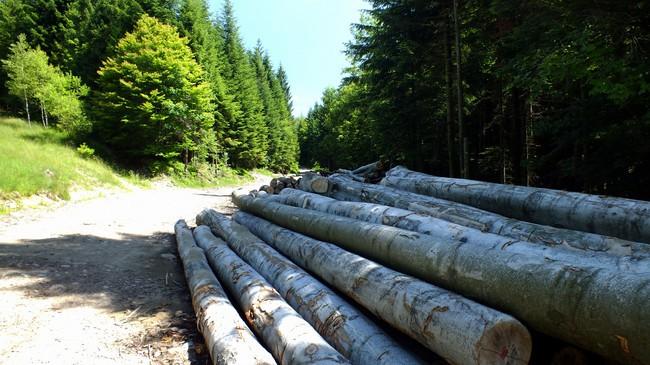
(290, 339)
(458, 329)
(451, 160)
(462, 144)
(228, 338)
(341, 324)
(342, 188)
(597, 309)
(624, 218)
(406, 219)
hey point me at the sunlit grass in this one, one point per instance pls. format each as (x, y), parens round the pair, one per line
(36, 160)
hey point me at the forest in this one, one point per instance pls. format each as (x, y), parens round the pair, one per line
(161, 86)
(540, 93)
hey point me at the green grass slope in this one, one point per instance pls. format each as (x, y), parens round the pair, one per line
(35, 160)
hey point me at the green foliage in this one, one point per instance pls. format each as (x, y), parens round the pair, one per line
(32, 79)
(85, 151)
(153, 105)
(554, 93)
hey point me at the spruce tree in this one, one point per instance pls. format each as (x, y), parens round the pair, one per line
(246, 140)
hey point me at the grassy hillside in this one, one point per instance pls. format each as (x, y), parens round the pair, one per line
(37, 161)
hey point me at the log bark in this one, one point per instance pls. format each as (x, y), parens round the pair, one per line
(406, 219)
(228, 338)
(591, 307)
(456, 328)
(341, 324)
(345, 189)
(290, 339)
(624, 218)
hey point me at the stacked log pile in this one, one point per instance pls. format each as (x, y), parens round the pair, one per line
(446, 263)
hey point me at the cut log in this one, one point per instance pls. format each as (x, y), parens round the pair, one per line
(343, 326)
(344, 188)
(290, 339)
(314, 183)
(406, 219)
(228, 338)
(456, 328)
(624, 218)
(591, 307)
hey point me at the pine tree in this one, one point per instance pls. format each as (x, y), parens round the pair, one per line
(153, 104)
(246, 140)
(284, 82)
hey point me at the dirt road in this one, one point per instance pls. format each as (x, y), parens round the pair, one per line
(98, 282)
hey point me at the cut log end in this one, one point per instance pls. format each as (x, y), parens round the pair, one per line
(506, 342)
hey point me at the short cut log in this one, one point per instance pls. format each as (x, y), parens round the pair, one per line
(290, 339)
(229, 340)
(458, 329)
(346, 328)
(624, 218)
(591, 307)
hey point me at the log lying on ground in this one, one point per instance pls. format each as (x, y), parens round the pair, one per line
(290, 339)
(456, 328)
(624, 218)
(343, 188)
(228, 338)
(314, 182)
(405, 219)
(342, 325)
(600, 310)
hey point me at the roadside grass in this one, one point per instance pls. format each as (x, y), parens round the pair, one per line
(36, 160)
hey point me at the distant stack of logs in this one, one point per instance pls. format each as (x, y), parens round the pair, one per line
(463, 268)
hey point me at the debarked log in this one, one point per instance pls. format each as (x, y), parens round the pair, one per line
(619, 217)
(343, 188)
(228, 338)
(290, 339)
(405, 219)
(598, 309)
(458, 329)
(341, 324)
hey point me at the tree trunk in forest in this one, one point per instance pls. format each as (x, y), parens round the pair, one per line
(624, 218)
(458, 329)
(341, 324)
(29, 118)
(228, 338)
(451, 159)
(459, 94)
(616, 257)
(345, 189)
(289, 337)
(591, 307)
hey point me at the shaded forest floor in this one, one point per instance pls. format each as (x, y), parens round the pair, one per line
(99, 281)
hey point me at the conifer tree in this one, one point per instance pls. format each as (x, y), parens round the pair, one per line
(246, 140)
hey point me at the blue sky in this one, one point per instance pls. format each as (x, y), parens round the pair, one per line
(306, 36)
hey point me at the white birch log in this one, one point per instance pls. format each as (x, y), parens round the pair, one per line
(601, 310)
(228, 338)
(624, 218)
(406, 219)
(341, 324)
(343, 188)
(458, 329)
(290, 339)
